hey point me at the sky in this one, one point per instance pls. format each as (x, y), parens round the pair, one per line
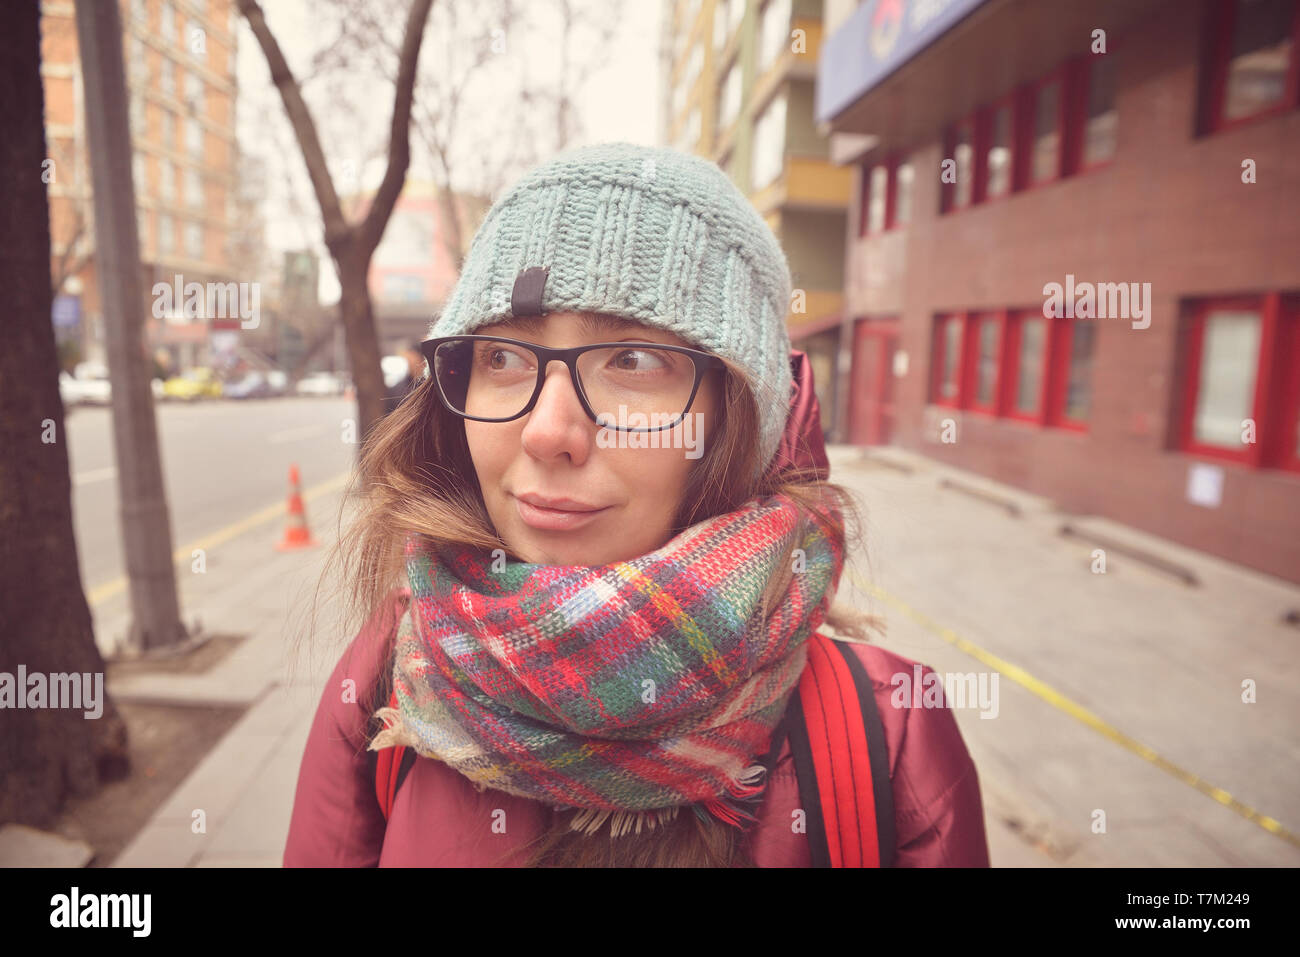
(619, 102)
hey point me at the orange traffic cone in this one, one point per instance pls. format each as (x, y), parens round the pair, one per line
(296, 532)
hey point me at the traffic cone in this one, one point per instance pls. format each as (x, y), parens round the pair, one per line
(296, 532)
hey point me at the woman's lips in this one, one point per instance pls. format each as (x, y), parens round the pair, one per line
(555, 519)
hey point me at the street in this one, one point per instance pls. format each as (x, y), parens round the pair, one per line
(222, 460)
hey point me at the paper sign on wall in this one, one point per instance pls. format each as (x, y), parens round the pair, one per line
(1205, 485)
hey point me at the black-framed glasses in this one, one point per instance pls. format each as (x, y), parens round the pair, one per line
(628, 386)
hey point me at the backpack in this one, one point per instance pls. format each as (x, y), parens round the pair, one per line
(838, 745)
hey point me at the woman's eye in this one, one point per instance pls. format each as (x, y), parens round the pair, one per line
(639, 360)
(501, 359)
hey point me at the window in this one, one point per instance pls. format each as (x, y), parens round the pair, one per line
(166, 180)
(774, 33)
(1242, 381)
(768, 155)
(1045, 151)
(1028, 346)
(961, 149)
(1080, 336)
(401, 287)
(137, 115)
(193, 187)
(166, 240)
(137, 172)
(196, 40)
(193, 240)
(168, 22)
(168, 129)
(1101, 120)
(904, 180)
(1252, 70)
(988, 355)
(194, 139)
(194, 92)
(729, 107)
(168, 77)
(877, 197)
(946, 360)
(998, 162)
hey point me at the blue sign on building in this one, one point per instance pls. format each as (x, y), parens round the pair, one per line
(879, 37)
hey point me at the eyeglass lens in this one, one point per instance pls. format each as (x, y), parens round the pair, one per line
(631, 383)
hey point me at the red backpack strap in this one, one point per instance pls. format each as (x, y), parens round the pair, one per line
(391, 767)
(838, 745)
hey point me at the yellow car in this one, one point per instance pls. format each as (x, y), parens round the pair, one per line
(193, 384)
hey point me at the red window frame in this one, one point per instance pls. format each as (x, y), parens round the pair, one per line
(1079, 86)
(970, 361)
(1029, 128)
(984, 142)
(1217, 55)
(938, 356)
(949, 194)
(1284, 451)
(1274, 405)
(864, 223)
(1015, 326)
(891, 202)
(1060, 352)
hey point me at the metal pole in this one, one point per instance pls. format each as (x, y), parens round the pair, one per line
(146, 525)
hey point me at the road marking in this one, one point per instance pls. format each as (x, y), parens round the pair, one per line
(293, 435)
(94, 475)
(1080, 713)
(184, 554)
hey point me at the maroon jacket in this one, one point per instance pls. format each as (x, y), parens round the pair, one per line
(441, 819)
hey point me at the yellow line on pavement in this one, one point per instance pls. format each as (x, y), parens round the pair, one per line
(101, 593)
(1080, 713)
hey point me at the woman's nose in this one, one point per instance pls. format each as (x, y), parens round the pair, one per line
(558, 424)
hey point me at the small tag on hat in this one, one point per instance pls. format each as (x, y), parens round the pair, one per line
(526, 299)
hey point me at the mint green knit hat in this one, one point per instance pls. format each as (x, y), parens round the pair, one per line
(650, 234)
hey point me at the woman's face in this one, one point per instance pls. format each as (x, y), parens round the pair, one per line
(617, 492)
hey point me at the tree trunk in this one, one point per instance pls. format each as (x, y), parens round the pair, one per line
(357, 315)
(45, 624)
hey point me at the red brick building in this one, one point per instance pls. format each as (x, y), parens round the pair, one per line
(1004, 146)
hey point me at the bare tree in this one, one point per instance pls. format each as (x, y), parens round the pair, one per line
(45, 625)
(352, 244)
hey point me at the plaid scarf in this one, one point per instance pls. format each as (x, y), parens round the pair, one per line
(625, 690)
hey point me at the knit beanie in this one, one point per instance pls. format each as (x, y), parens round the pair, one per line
(650, 234)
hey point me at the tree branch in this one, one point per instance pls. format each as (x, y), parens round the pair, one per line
(304, 128)
(399, 143)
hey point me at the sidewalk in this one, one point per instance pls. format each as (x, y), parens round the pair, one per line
(937, 556)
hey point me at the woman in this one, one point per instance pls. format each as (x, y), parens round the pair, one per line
(592, 548)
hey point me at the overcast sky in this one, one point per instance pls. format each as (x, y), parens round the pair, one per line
(620, 102)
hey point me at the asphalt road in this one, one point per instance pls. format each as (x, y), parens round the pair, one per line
(222, 461)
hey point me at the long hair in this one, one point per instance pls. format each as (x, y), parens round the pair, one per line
(415, 475)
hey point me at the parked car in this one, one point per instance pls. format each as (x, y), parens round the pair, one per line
(253, 385)
(88, 385)
(193, 384)
(319, 383)
(277, 381)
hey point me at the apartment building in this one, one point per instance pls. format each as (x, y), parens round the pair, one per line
(739, 82)
(180, 64)
(1073, 252)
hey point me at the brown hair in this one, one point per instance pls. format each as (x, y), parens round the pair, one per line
(415, 475)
